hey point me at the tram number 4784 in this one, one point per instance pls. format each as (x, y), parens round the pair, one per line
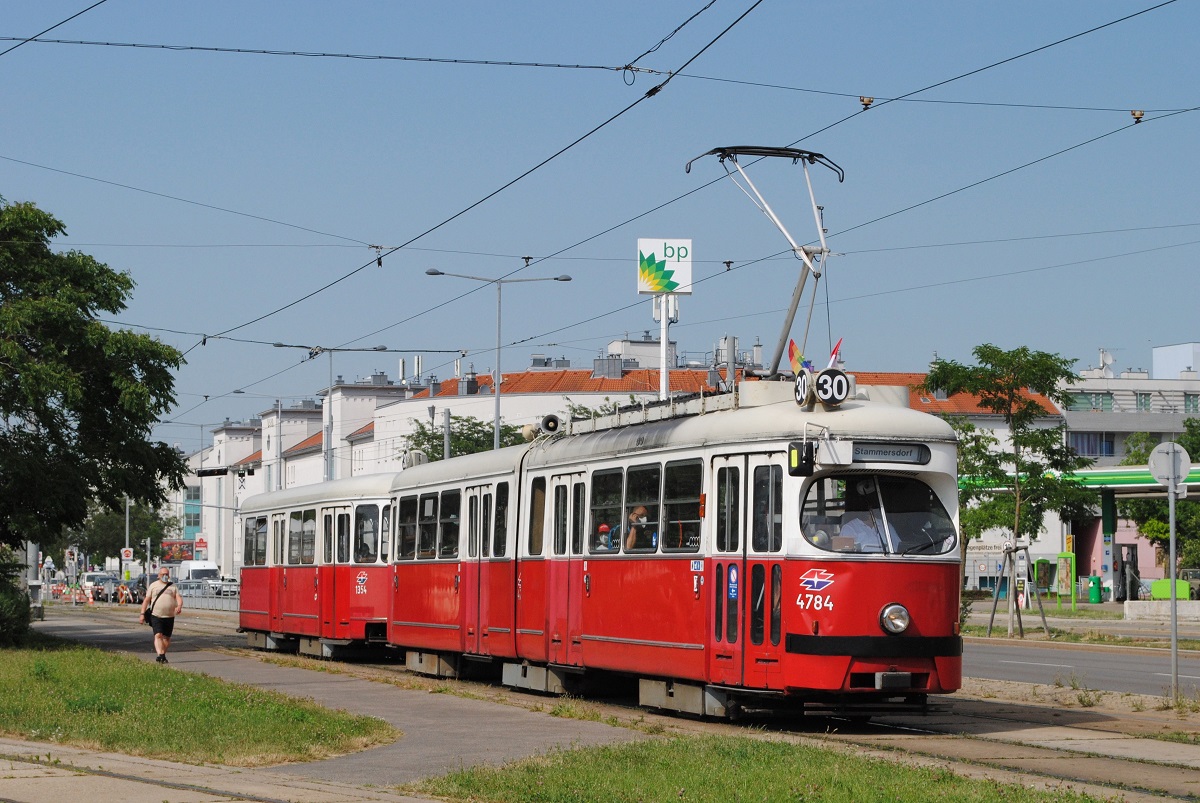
(814, 602)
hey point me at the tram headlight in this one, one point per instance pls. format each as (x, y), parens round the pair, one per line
(894, 618)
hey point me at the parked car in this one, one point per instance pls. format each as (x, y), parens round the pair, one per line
(225, 587)
(194, 588)
(102, 587)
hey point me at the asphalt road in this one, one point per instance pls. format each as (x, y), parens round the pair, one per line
(1117, 669)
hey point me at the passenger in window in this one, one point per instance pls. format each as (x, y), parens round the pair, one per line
(637, 535)
(604, 538)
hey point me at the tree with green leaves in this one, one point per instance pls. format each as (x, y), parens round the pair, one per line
(981, 469)
(1036, 458)
(468, 435)
(77, 398)
(1152, 516)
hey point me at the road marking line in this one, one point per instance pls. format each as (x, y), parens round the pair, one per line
(1032, 663)
(1168, 674)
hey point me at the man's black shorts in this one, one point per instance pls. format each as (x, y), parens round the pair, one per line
(163, 625)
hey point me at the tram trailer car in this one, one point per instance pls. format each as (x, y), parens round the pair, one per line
(316, 572)
(739, 551)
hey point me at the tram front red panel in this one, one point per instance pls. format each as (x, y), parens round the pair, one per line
(644, 616)
(833, 638)
(254, 603)
(359, 595)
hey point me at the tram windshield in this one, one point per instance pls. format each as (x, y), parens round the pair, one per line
(876, 514)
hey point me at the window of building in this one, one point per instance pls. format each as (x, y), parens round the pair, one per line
(1084, 402)
(1142, 400)
(1092, 444)
(1191, 402)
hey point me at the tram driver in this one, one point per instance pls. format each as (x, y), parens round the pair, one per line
(863, 519)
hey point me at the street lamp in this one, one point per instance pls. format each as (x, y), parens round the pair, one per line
(313, 353)
(496, 371)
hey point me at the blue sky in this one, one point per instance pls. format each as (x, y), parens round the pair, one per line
(1018, 205)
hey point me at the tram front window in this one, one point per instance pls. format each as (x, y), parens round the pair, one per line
(876, 514)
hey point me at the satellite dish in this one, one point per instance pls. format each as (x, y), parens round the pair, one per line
(1106, 359)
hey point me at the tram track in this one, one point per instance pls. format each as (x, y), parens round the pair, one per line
(993, 730)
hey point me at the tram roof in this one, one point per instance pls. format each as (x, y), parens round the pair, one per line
(349, 488)
(770, 414)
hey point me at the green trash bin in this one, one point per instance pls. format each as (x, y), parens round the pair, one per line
(1095, 589)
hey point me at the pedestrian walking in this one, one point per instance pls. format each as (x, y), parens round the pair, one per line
(160, 606)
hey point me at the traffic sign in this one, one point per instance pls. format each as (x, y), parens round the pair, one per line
(1170, 464)
(127, 553)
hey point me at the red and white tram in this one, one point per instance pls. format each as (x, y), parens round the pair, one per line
(316, 569)
(731, 550)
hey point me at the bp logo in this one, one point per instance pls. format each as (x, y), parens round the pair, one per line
(816, 579)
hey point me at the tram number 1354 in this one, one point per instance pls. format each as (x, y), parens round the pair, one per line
(814, 602)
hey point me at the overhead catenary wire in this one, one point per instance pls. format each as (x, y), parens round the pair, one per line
(27, 40)
(649, 94)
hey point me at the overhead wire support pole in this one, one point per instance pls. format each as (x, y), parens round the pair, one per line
(805, 254)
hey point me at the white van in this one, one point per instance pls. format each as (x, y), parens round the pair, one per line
(197, 570)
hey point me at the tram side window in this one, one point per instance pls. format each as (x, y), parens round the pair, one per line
(343, 537)
(366, 533)
(427, 527)
(406, 529)
(682, 485)
(606, 510)
(302, 537)
(254, 552)
(277, 534)
(327, 518)
(768, 509)
(729, 513)
(448, 534)
(295, 536)
(472, 526)
(385, 532)
(308, 545)
(485, 526)
(560, 519)
(578, 491)
(537, 514)
(643, 488)
(500, 531)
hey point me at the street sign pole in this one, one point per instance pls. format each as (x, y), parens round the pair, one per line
(1170, 464)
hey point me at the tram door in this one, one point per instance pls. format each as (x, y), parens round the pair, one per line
(746, 571)
(726, 569)
(763, 576)
(278, 549)
(565, 595)
(479, 504)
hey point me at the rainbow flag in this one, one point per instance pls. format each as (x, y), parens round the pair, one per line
(797, 359)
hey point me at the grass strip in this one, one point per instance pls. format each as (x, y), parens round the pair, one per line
(717, 769)
(74, 695)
